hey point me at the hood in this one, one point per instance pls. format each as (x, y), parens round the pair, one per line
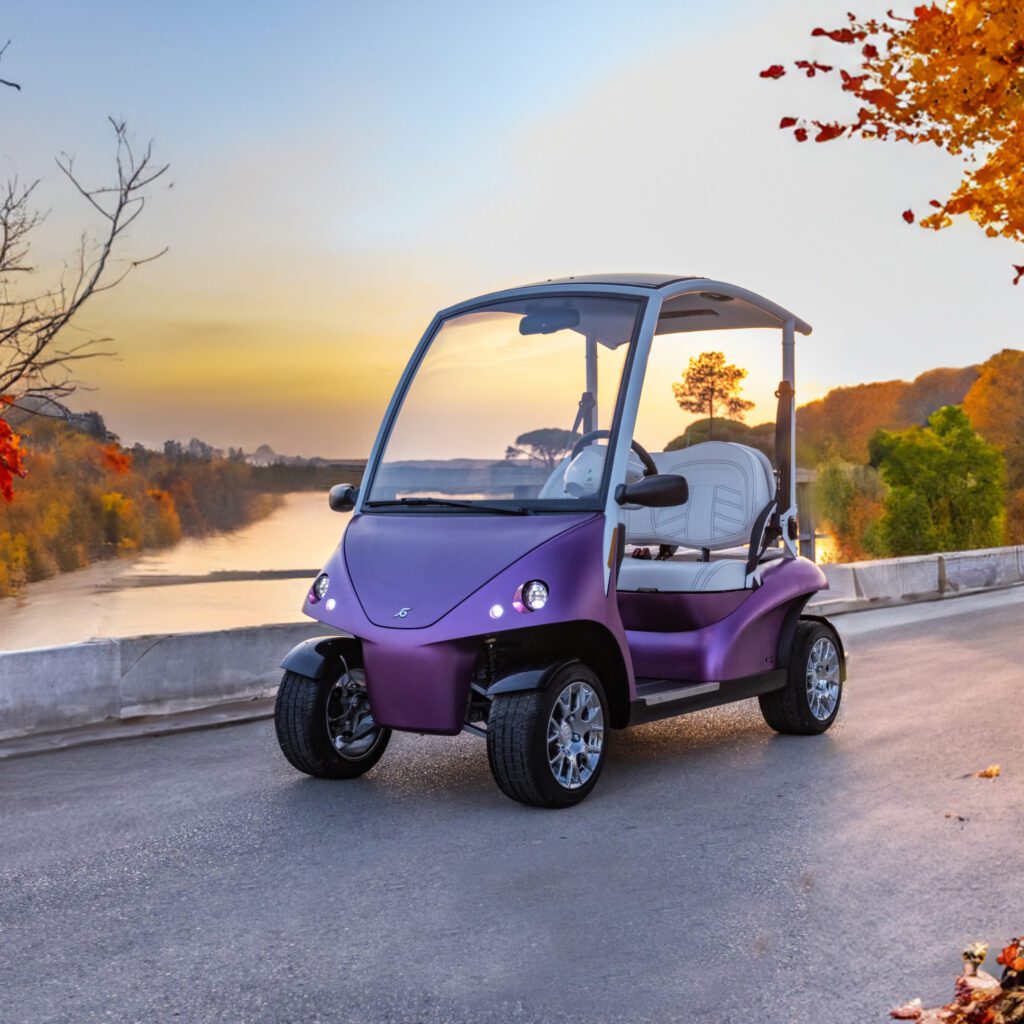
(427, 564)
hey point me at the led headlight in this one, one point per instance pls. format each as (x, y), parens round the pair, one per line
(532, 596)
(320, 585)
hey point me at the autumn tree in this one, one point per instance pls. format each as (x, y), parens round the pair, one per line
(711, 385)
(38, 352)
(945, 486)
(995, 405)
(950, 76)
(546, 445)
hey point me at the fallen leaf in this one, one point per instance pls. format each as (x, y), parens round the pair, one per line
(908, 1011)
(908, 216)
(1020, 273)
(775, 71)
(991, 772)
(787, 122)
(955, 816)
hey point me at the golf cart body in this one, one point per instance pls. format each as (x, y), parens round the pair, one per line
(463, 580)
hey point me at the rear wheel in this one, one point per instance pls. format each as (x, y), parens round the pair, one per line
(809, 702)
(325, 727)
(546, 747)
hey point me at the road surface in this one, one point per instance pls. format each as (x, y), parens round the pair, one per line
(719, 872)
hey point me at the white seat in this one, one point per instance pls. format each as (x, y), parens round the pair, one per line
(688, 577)
(730, 487)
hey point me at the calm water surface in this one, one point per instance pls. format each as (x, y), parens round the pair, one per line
(100, 602)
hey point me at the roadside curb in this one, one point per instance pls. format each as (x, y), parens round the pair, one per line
(213, 717)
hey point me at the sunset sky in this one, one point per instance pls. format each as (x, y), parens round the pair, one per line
(342, 170)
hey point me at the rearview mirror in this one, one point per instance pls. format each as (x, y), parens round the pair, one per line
(342, 497)
(549, 320)
(658, 491)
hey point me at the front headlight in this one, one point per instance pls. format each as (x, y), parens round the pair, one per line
(320, 585)
(532, 596)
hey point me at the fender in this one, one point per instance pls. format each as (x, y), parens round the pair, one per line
(311, 657)
(522, 679)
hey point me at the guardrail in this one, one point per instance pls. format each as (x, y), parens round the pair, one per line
(50, 690)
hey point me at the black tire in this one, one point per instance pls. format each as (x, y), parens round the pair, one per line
(300, 719)
(517, 742)
(789, 710)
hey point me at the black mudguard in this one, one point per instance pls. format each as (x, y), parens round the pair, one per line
(534, 678)
(313, 657)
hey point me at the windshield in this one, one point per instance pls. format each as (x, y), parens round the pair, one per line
(500, 401)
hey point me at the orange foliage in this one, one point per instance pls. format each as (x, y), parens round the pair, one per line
(116, 459)
(845, 418)
(995, 405)
(951, 76)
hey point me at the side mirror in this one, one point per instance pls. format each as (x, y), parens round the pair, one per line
(658, 491)
(342, 497)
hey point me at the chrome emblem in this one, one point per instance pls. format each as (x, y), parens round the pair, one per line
(401, 613)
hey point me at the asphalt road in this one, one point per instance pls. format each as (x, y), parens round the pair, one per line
(718, 873)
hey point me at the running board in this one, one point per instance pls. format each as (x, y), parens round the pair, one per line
(678, 693)
(662, 698)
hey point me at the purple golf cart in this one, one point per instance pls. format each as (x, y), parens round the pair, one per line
(539, 586)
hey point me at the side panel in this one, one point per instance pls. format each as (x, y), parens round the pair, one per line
(743, 643)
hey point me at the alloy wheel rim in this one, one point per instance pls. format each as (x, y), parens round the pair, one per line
(575, 735)
(348, 707)
(823, 683)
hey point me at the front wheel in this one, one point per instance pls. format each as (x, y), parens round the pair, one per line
(324, 726)
(809, 702)
(546, 747)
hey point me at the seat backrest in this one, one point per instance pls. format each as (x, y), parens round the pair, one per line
(730, 484)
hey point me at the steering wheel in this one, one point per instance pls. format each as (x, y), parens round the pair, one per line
(650, 469)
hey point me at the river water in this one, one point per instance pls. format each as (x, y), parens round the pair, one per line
(103, 600)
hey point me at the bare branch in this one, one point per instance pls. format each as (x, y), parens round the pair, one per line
(4, 81)
(33, 358)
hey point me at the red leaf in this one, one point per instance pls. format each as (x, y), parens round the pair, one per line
(775, 71)
(870, 51)
(908, 216)
(828, 132)
(12, 462)
(800, 135)
(880, 97)
(841, 35)
(1020, 273)
(812, 67)
(926, 12)
(936, 204)
(852, 83)
(787, 122)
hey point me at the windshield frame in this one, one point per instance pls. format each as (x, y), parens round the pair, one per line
(485, 506)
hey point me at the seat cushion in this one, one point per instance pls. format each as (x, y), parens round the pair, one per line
(729, 484)
(671, 576)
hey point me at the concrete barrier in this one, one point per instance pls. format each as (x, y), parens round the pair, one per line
(54, 688)
(919, 577)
